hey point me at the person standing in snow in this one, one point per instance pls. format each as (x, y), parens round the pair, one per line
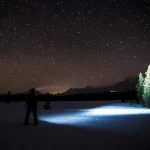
(31, 107)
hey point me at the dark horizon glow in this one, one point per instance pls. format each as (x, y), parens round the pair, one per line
(65, 44)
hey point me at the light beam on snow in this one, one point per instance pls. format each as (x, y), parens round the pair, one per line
(86, 116)
(64, 119)
(116, 110)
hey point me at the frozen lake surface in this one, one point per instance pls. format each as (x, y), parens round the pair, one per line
(76, 125)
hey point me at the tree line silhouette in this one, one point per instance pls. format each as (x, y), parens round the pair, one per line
(123, 96)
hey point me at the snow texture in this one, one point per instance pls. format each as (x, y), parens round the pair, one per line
(118, 132)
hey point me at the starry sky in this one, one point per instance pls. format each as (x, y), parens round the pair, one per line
(59, 44)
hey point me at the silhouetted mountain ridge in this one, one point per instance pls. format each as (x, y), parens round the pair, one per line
(37, 93)
(125, 85)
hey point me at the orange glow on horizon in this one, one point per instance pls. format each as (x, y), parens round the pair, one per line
(56, 92)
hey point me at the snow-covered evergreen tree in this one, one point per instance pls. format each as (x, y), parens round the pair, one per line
(140, 88)
(146, 93)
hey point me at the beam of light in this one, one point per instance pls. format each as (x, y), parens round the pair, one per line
(67, 118)
(43, 88)
(117, 110)
(86, 116)
(64, 119)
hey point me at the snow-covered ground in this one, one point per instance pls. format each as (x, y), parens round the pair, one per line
(76, 126)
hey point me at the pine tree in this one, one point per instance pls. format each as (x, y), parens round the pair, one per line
(146, 94)
(140, 88)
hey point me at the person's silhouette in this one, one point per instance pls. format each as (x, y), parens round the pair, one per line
(31, 107)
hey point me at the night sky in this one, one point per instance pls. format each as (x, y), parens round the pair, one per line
(56, 44)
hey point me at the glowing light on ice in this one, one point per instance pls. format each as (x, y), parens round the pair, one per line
(86, 116)
(116, 110)
(64, 119)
